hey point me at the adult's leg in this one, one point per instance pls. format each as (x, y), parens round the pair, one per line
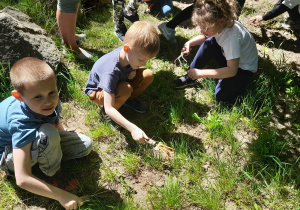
(118, 12)
(227, 90)
(132, 6)
(142, 79)
(294, 14)
(181, 17)
(66, 15)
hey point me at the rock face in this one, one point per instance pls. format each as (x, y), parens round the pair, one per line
(21, 38)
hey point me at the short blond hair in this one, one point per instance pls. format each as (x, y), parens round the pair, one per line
(143, 36)
(29, 70)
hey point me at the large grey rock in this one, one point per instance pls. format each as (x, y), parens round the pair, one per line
(21, 38)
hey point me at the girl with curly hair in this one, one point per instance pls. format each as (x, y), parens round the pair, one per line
(225, 40)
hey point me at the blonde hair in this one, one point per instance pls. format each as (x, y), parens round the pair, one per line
(208, 13)
(143, 36)
(29, 70)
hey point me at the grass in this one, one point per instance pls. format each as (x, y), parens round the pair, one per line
(227, 157)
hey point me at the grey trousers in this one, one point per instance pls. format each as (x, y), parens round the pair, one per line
(50, 148)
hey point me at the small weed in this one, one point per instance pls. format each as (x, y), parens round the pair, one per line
(131, 162)
(169, 196)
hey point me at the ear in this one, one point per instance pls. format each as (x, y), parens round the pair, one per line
(126, 48)
(17, 95)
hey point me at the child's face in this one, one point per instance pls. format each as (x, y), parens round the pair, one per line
(137, 58)
(42, 96)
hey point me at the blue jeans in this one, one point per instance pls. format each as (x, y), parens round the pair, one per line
(50, 148)
(227, 89)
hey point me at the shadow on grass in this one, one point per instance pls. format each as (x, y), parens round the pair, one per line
(274, 155)
(280, 42)
(86, 171)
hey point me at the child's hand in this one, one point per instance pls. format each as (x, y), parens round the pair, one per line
(139, 135)
(71, 202)
(79, 131)
(186, 49)
(132, 74)
(256, 19)
(193, 73)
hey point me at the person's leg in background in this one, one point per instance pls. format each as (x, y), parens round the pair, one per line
(118, 18)
(168, 28)
(66, 15)
(130, 12)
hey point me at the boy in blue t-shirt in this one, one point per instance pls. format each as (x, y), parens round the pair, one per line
(31, 132)
(118, 77)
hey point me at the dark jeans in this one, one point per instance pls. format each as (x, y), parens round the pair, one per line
(228, 89)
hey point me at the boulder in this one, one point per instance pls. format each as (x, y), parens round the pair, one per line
(21, 38)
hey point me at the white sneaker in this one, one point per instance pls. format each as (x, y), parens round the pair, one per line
(169, 33)
(80, 36)
(85, 54)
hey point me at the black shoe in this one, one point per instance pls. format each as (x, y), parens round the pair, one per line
(120, 31)
(131, 16)
(106, 119)
(136, 105)
(184, 81)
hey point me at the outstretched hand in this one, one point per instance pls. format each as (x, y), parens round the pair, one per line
(256, 19)
(139, 135)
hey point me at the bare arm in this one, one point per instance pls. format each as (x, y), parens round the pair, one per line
(229, 71)
(187, 47)
(26, 180)
(136, 133)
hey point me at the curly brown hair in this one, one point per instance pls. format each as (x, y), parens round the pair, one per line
(208, 13)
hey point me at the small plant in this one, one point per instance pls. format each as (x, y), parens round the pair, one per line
(168, 197)
(177, 108)
(131, 162)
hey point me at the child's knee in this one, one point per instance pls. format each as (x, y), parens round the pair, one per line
(148, 75)
(87, 142)
(48, 137)
(124, 89)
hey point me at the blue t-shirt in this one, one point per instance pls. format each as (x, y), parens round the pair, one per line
(19, 125)
(106, 73)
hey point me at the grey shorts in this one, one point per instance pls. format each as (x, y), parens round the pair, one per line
(68, 6)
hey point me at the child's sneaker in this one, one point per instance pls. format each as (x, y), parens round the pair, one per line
(108, 120)
(131, 16)
(136, 105)
(168, 33)
(184, 81)
(120, 31)
(60, 181)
